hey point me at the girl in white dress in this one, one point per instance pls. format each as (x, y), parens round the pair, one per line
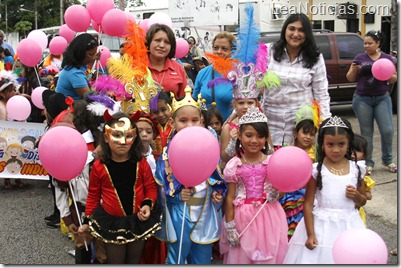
(336, 184)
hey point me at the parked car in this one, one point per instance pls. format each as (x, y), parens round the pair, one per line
(338, 49)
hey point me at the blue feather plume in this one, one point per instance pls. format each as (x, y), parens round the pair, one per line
(248, 38)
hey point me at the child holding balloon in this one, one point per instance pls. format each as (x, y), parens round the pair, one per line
(306, 125)
(255, 227)
(198, 204)
(337, 184)
(122, 193)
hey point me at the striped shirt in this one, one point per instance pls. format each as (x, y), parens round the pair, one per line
(299, 85)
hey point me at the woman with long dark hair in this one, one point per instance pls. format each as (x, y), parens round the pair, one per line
(81, 53)
(300, 66)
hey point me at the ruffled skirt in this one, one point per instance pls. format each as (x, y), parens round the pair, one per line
(328, 225)
(123, 229)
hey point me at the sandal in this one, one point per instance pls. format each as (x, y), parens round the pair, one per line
(7, 184)
(394, 252)
(369, 170)
(391, 167)
(19, 183)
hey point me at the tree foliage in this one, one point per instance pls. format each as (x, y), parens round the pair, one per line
(48, 13)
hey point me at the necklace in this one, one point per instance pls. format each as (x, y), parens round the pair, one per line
(337, 171)
(255, 162)
(159, 83)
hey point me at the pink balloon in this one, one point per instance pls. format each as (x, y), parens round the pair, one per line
(144, 25)
(104, 56)
(63, 160)
(77, 18)
(181, 48)
(383, 69)
(129, 18)
(40, 37)
(29, 52)
(114, 22)
(160, 18)
(359, 246)
(36, 97)
(66, 32)
(97, 9)
(58, 45)
(289, 169)
(95, 26)
(192, 161)
(18, 108)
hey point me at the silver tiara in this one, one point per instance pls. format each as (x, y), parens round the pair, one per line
(253, 115)
(335, 122)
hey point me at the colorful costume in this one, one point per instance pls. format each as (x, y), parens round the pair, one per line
(202, 219)
(165, 135)
(293, 202)
(108, 219)
(369, 183)
(333, 214)
(270, 226)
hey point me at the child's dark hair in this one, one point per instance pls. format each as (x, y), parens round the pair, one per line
(361, 145)
(161, 95)
(29, 138)
(84, 120)
(213, 111)
(135, 152)
(307, 125)
(262, 129)
(333, 131)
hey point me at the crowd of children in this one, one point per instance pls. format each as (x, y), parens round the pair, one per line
(128, 207)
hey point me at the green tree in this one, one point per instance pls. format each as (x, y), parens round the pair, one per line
(23, 27)
(48, 13)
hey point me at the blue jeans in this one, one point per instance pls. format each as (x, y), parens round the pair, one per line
(368, 108)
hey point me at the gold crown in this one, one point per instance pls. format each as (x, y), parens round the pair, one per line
(186, 101)
(141, 91)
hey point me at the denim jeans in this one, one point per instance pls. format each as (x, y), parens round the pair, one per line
(368, 108)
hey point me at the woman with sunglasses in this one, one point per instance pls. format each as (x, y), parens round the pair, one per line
(372, 100)
(81, 53)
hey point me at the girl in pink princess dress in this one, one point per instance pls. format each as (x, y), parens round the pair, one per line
(255, 225)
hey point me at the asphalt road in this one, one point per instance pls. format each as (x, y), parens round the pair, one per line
(25, 239)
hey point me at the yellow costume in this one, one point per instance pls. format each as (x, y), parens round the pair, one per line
(369, 183)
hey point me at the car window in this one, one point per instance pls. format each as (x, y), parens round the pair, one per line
(322, 42)
(349, 46)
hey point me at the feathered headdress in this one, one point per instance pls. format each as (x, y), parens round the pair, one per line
(247, 70)
(132, 73)
(309, 112)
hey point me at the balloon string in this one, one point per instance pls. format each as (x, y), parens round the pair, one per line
(254, 217)
(182, 231)
(37, 75)
(76, 208)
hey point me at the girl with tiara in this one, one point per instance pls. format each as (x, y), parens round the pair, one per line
(307, 122)
(202, 220)
(120, 207)
(255, 226)
(337, 184)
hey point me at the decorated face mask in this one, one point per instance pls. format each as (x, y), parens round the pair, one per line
(124, 134)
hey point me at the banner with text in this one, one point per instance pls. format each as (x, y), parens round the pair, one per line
(203, 12)
(18, 153)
